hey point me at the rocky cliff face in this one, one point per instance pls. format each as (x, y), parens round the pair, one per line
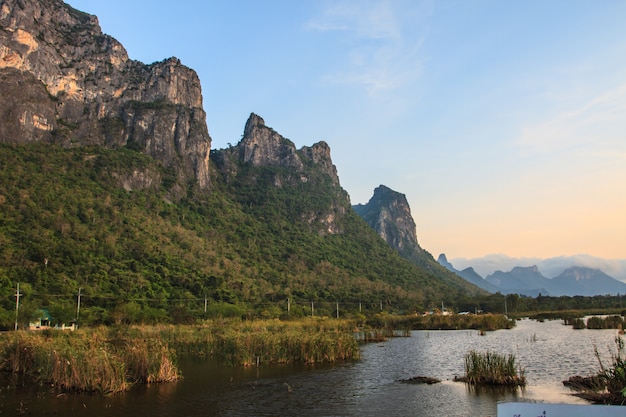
(65, 82)
(263, 147)
(388, 212)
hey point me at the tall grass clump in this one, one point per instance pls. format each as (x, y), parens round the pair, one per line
(86, 360)
(608, 385)
(608, 322)
(273, 341)
(238, 342)
(489, 368)
(486, 322)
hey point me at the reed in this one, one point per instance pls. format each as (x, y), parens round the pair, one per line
(608, 385)
(489, 368)
(608, 322)
(86, 360)
(485, 322)
(246, 343)
(110, 360)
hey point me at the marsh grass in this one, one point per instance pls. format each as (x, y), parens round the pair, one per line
(246, 343)
(112, 359)
(86, 360)
(489, 368)
(484, 322)
(608, 385)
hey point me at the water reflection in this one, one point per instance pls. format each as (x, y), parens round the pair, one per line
(550, 352)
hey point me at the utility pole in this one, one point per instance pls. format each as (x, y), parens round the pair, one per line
(288, 305)
(17, 303)
(78, 307)
(205, 303)
(337, 309)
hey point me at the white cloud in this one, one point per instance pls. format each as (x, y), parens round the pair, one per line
(370, 20)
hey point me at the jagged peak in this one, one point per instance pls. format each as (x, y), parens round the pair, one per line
(263, 146)
(388, 212)
(254, 120)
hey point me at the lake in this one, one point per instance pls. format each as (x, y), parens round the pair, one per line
(549, 352)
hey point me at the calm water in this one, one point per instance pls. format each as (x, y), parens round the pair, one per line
(550, 352)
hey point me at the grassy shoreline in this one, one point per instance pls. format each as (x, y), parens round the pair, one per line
(108, 360)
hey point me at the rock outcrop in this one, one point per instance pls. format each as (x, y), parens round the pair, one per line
(388, 213)
(65, 82)
(263, 147)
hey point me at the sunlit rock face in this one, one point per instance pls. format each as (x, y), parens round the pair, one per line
(388, 213)
(65, 82)
(261, 146)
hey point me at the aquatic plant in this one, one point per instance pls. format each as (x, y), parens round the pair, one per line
(111, 359)
(86, 360)
(484, 322)
(608, 385)
(615, 375)
(247, 343)
(489, 368)
(608, 322)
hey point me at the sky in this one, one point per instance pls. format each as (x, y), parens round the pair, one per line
(503, 122)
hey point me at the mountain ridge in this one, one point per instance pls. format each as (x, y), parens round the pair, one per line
(108, 186)
(529, 281)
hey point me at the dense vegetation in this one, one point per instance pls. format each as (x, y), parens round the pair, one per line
(68, 226)
(245, 249)
(542, 307)
(112, 359)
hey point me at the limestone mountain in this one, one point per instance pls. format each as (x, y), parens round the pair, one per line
(520, 280)
(469, 274)
(573, 281)
(264, 164)
(389, 214)
(106, 187)
(65, 82)
(579, 280)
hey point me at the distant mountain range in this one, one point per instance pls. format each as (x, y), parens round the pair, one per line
(529, 281)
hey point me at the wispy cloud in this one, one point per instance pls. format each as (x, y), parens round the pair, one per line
(601, 118)
(382, 51)
(362, 19)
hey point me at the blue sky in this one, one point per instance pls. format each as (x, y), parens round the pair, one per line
(503, 122)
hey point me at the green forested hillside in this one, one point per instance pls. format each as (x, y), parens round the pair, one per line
(67, 224)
